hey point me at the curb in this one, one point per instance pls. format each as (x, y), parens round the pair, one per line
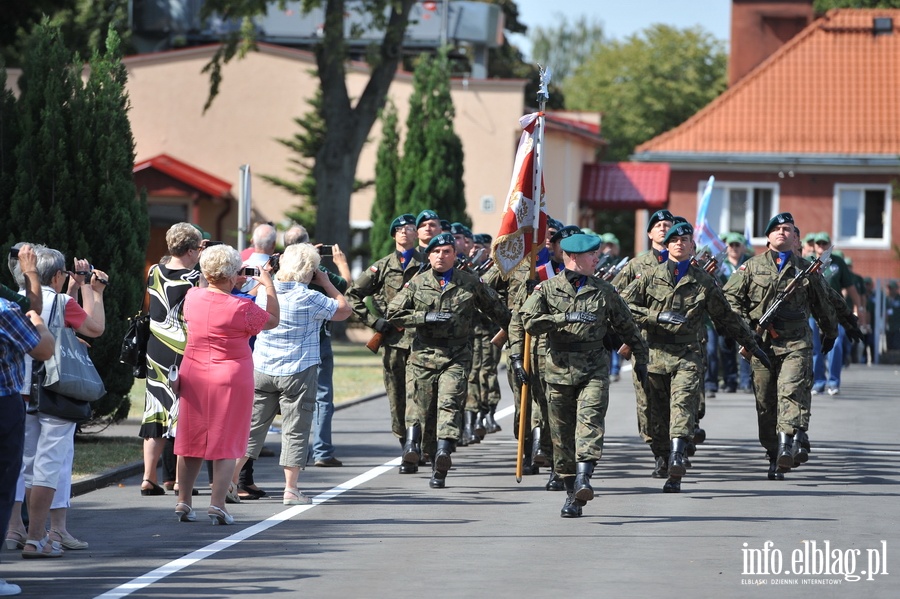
(104, 479)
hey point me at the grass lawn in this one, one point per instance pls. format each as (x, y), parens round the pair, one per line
(95, 453)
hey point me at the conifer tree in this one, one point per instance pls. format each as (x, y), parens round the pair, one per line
(9, 136)
(384, 209)
(414, 144)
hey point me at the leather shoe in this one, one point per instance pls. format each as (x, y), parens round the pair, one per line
(331, 462)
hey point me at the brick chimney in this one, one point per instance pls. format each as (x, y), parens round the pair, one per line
(758, 29)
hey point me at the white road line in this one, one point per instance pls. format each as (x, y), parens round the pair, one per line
(172, 567)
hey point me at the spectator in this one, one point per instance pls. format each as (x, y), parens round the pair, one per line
(20, 334)
(167, 285)
(50, 441)
(263, 243)
(892, 317)
(216, 378)
(286, 360)
(29, 296)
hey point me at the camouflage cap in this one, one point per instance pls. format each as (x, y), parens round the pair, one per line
(677, 231)
(439, 240)
(734, 238)
(426, 215)
(779, 219)
(658, 216)
(402, 221)
(564, 232)
(579, 243)
(822, 237)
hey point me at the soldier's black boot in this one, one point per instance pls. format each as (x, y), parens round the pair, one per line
(689, 450)
(442, 464)
(528, 466)
(699, 435)
(412, 452)
(583, 489)
(673, 485)
(572, 507)
(489, 423)
(479, 425)
(775, 473)
(555, 483)
(801, 448)
(677, 467)
(661, 470)
(538, 457)
(785, 457)
(469, 429)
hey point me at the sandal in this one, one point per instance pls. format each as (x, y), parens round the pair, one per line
(40, 549)
(219, 516)
(15, 540)
(231, 496)
(253, 493)
(295, 497)
(154, 488)
(67, 540)
(185, 515)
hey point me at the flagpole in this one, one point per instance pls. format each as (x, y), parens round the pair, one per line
(537, 196)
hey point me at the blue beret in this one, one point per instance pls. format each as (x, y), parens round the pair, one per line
(564, 232)
(439, 240)
(779, 219)
(402, 221)
(658, 216)
(579, 243)
(426, 215)
(679, 230)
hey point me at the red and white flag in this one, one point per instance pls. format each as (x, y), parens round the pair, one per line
(515, 241)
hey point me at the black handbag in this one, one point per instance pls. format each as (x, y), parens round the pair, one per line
(54, 404)
(134, 345)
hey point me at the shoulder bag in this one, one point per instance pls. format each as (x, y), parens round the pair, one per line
(70, 371)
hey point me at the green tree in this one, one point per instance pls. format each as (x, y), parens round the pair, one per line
(414, 149)
(820, 6)
(648, 83)
(384, 208)
(347, 124)
(566, 45)
(9, 137)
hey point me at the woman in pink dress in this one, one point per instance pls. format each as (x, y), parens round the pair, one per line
(216, 378)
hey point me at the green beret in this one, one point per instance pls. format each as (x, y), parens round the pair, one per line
(734, 238)
(809, 238)
(203, 234)
(445, 225)
(579, 243)
(823, 237)
(679, 219)
(483, 238)
(402, 221)
(426, 215)
(554, 224)
(564, 232)
(439, 240)
(779, 219)
(461, 229)
(609, 238)
(679, 230)
(892, 284)
(658, 216)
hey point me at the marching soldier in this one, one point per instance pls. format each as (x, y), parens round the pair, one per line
(428, 224)
(441, 304)
(782, 393)
(574, 310)
(670, 303)
(660, 223)
(382, 281)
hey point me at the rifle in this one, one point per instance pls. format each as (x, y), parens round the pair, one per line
(765, 322)
(612, 271)
(605, 260)
(374, 344)
(484, 267)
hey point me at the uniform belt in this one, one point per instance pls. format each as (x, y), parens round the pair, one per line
(789, 325)
(442, 342)
(670, 339)
(575, 346)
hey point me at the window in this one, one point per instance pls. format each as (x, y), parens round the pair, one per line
(862, 215)
(734, 205)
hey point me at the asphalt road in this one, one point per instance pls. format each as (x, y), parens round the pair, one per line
(374, 533)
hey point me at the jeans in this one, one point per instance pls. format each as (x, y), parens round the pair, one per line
(721, 351)
(615, 365)
(834, 361)
(12, 443)
(322, 449)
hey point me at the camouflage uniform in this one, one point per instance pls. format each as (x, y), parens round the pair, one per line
(577, 367)
(676, 352)
(783, 393)
(382, 281)
(440, 355)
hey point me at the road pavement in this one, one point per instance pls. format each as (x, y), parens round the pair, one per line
(374, 533)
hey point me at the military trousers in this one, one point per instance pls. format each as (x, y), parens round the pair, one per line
(673, 399)
(394, 361)
(783, 395)
(577, 422)
(474, 392)
(437, 396)
(538, 413)
(488, 382)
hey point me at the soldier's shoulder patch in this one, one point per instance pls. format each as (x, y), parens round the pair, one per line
(406, 285)
(743, 267)
(537, 287)
(373, 268)
(637, 276)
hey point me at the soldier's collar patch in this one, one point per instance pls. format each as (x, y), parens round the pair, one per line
(406, 285)
(743, 267)
(373, 268)
(537, 287)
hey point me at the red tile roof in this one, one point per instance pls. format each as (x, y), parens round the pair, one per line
(187, 174)
(625, 186)
(832, 89)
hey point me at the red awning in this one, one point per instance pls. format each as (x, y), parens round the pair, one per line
(625, 186)
(186, 174)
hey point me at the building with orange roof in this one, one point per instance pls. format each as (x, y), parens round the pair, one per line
(813, 129)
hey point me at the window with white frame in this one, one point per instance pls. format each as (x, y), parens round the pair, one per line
(862, 215)
(741, 207)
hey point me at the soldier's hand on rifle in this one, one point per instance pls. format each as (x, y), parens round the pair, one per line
(827, 344)
(383, 326)
(585, 317)
(530, 284)
(668, 317)
(519, 368)
(641, 371)
(438, 316)
(763, 357)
